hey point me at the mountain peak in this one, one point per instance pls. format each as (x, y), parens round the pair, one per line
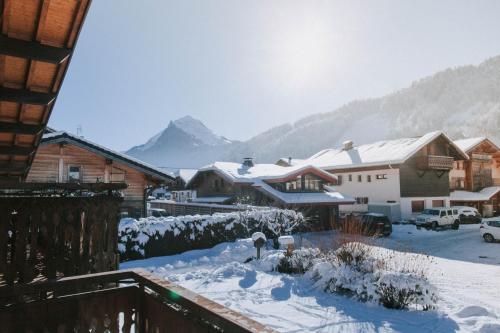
(198, 130)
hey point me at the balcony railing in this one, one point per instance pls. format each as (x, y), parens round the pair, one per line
(434, 162)
(120, 301)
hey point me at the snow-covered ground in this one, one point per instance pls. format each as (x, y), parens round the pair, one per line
(464, 268)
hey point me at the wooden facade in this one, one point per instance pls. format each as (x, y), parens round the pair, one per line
(480, 171)
(53, 161)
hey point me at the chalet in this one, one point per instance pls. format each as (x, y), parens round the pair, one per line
(412, 172)
(65, 158)
(286, 162)
(305, 188)
(476, 181)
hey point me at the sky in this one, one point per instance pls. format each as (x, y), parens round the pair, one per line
(244, 66)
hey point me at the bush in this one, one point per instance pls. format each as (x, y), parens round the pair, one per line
(400, 291)
(358, 270)
(150, 237)
(298, 263)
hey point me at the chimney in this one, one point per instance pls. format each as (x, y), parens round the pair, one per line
(347, 144)
(248, 162)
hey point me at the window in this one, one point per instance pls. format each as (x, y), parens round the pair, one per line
(339, 180)
(450, 212)
(350, 178)
(381, 176)
(359, 178)
(417, 206)
(117, 175)
(74, 174)
(437, 203)
(369, 178)
(362, 200)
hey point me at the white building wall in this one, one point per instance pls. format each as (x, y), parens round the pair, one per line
(406, 212)
(377, 191)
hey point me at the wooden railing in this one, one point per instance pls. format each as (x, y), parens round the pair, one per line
(44, 237)
(433, 162)
(121, 301)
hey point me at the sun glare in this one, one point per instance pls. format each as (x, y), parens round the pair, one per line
(302, 52)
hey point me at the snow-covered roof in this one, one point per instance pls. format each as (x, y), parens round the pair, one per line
(186, 174)
(219, 199)
(375, 154)
(62, 136)
(240, 173)
(298, 198)
(470, 143)
(483, 195)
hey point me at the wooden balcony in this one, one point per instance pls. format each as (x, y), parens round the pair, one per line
(434, 162)
(120, 301)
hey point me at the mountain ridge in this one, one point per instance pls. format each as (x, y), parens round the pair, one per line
(462, 101)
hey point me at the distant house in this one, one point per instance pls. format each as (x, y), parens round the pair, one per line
(413, 172)
(180, 192)
(64, 157)
(288, 161)
(476, 181)
(305, 188)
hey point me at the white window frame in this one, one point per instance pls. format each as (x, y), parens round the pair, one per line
(80, 180)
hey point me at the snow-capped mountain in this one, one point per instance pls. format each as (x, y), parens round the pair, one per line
(185, 143)
(464, 102)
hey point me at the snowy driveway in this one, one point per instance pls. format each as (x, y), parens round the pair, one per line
(469, 286)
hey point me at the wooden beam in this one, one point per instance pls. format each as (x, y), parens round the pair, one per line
(16, 150)
(19, 128)
(13, 168)
(32, 50)
(24, 96)
(93, 187)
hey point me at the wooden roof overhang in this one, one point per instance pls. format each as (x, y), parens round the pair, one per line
(37, 40)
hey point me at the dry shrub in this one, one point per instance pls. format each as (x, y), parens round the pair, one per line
(299, 262)
(395, 280)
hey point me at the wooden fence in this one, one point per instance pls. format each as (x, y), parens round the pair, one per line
(123, 301)
(48, 237)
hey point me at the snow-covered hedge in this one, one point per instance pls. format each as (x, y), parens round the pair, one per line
(150, 237)
(355, 269)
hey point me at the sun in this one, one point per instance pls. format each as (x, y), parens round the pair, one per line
(301, 53)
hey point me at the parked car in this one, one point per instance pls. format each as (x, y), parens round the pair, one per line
(376, 224)
(434, 218)
(468, 215)
(157, 212)
(490, 229)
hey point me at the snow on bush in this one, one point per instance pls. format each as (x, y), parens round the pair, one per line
(356, 269)
(299, 262)
(157, 236)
